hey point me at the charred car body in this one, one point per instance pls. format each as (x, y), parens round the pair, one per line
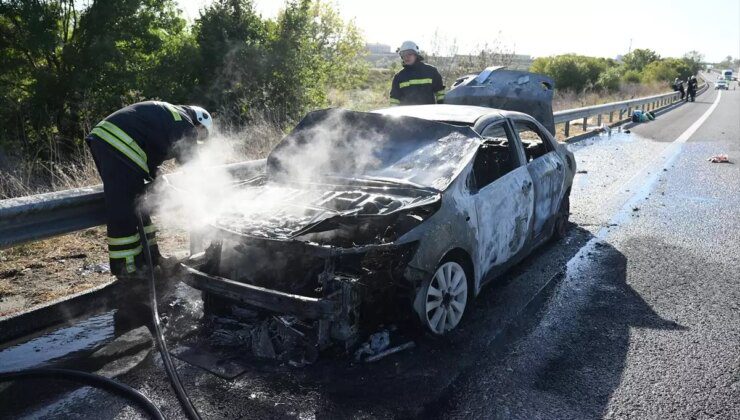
(360, 217)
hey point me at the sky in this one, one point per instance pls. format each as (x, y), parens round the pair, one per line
(541, 28)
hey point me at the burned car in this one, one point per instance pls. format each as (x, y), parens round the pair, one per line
(362, 217)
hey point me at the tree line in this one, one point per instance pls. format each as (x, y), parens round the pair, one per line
(65, 65)
(577, 72)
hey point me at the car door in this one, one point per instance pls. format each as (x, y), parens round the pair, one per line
(545, 167)
(501, 188)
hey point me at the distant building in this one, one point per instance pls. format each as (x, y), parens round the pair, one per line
(378, 48)
(380, 55)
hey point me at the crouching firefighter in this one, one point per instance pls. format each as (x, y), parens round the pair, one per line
(128, 146)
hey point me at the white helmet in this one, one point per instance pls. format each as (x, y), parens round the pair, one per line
(202, 117)
(409, 46)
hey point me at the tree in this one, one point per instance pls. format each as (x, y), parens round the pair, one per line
(232, 44)
(639, 58)
(693, 60)
(279, 69)
(64, 68)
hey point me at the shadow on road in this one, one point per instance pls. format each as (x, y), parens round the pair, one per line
(570, 359)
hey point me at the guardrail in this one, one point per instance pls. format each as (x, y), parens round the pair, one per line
(31, 218)
(35, 217)
(623, 108)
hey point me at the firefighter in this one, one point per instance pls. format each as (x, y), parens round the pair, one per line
(128, 146)
(692, 85)
(678, 87)
(417, 83)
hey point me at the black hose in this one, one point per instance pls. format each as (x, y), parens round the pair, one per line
(89, 379)
(169, 367)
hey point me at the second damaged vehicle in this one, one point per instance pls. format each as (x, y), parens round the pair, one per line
(360, 218)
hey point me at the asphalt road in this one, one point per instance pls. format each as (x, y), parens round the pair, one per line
(640, 317)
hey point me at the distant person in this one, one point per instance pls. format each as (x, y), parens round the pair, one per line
(692, 85)
(417, 83)
(678, 87)
(128, 146)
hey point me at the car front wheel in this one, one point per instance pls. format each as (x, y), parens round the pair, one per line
(441, 301)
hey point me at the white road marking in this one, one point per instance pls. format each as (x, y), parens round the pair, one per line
(642, 184)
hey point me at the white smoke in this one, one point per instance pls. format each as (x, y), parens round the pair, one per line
(314, 161)
(203, 191)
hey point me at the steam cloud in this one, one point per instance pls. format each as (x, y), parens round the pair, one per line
(203, 191)
(330, 152)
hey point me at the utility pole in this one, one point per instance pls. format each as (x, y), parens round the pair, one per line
(629, 50)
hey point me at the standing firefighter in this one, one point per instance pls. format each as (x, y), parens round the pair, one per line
(128, 146)
(692, 85)
(417, 83)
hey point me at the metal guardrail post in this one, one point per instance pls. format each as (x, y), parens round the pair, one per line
(585, 123)
(567, 129)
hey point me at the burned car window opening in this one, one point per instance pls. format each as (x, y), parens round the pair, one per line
(535, 144)
(496, 157)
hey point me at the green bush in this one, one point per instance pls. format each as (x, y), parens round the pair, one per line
(638, 59)
(631, 76)
(666, 70)
(571, 71)
(609, 79)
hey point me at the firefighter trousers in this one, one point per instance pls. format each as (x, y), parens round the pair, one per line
(123, 185)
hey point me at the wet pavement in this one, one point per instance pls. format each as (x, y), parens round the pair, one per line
(639, 317)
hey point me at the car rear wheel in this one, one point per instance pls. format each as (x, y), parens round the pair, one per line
(441, 301)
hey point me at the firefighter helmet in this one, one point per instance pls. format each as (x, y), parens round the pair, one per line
(202, 117)
(409, 46)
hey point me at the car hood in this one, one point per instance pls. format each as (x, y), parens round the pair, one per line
(285, 212)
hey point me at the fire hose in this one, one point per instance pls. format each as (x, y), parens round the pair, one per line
(169, 367)
(89, 379)
(112, 385)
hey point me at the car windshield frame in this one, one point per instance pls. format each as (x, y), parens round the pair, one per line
(338, 143)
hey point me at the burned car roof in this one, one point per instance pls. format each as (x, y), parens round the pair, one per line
(336, 143)
(464, 114)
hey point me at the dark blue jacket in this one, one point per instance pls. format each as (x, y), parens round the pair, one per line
(145, 133)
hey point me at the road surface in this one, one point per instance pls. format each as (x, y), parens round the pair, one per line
(639, 316)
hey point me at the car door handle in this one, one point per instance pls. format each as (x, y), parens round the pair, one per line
(526, 186)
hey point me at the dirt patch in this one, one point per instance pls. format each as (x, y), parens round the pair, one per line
(40, 272)
(37, 273)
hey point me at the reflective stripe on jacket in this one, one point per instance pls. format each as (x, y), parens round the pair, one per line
(145, 132)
